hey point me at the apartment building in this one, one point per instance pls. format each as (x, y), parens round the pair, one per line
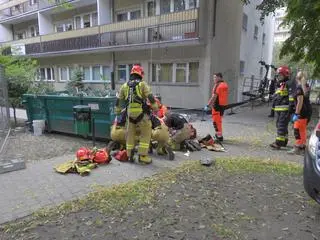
(256, 45)
(180, 43)
(281, 31)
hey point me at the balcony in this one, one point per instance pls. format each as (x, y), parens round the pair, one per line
(20, 8)
(179, 27)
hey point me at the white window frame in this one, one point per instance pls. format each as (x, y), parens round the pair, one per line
(91, 80)
(128, 14)
(33, 2)
(64, 23)
(157, 7)
(187, 6)
(174, 72)
(127, 71)
(36, 32)
(82, 21)
(68, 74)
(24, 32)
(52, 72)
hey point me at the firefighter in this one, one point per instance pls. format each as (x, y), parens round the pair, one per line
(162, 109)
(302, 114)
(134, 94)
(217, 102)
(160, 134)
(180, 130)
(118, 130)
(281, 108)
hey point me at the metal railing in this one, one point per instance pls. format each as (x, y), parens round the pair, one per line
(178, 31)
(252, 88)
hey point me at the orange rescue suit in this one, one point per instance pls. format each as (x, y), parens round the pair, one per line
(221, 90)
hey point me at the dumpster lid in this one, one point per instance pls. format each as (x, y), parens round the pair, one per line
(82, 107)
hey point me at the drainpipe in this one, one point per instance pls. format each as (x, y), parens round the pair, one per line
(113, 85)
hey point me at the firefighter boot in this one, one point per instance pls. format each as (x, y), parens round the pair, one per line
(145, 159)
(161, 151)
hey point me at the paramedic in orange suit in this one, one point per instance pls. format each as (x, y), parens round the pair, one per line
(217, 102)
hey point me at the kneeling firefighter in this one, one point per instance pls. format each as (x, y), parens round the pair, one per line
(281, 108)
(180, 130)
(118, 130)
(160, 134)
(135, 94)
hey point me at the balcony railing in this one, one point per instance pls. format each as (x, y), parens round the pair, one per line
(173, 27)
(21, 8)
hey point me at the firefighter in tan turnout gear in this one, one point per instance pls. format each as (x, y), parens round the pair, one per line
(133, 95)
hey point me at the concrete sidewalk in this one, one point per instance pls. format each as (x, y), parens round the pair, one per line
(25, 191)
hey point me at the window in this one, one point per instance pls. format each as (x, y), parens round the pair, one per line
(123, 71)
(135, 15)
(94, 19)
(181, 72)
(193, 4)
(122, 17)
(179, 5)
(151, 9)
(263, 39)
(96, 73)
(106, 73)
(164, 72)
(64, 26)
(64, 74)
(165, 6)
(34, 31)
(78, 22)
(32, 2)
(87, 20)
(131, 15)
(46, 74)
(20, 35)
(96, 76)
(87, 73)
(175, 72)
(256, 32)
(193, 72)
(244, 22)
(242, 66)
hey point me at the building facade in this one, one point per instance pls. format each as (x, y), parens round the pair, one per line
(256, 45)
(281, 31)
(180, 43)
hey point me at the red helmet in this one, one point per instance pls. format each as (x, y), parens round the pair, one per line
(137, 69)
(101, 156)
(284, 70)
(83, 154)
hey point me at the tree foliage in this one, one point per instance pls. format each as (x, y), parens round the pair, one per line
(21, 73)
(303, 16)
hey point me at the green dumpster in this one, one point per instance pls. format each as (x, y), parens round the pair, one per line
(82, 120)
(58, 111)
